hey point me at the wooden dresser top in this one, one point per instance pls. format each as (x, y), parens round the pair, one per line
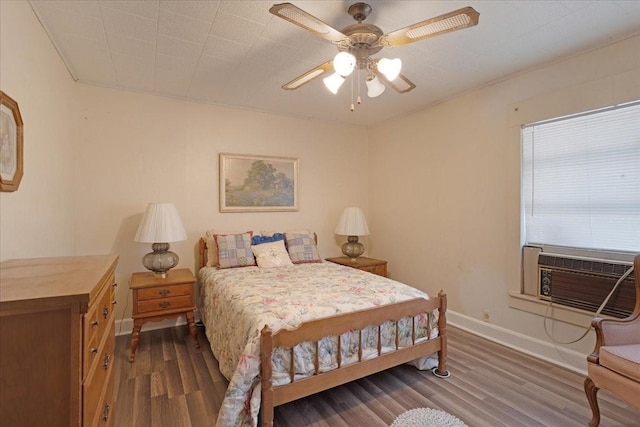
(53, 280)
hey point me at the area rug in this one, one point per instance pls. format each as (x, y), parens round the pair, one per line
(427, 417)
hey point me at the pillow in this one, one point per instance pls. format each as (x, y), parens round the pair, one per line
(212, 246)
(302, 248)
(292, 231)
(260, 239)
(234, 250)
(271, 254)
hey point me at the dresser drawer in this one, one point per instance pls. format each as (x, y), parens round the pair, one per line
(165, 304)
(164, 291)
(100, 376)
(96, 323)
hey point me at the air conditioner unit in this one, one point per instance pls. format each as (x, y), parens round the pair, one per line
(584, 283)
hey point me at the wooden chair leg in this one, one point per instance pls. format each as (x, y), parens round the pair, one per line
(591, 391)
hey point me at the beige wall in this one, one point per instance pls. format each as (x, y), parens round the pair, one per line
(37, 220)
(449, 177)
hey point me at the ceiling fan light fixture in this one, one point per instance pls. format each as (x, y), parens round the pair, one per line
(374, 87)
(390, 67)
(344, 63)
(333, 82)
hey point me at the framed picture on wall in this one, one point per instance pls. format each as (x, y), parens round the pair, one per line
(11, 132)
(258, 183)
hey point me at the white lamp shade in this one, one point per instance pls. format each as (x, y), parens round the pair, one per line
(375, 87)
(344, 63)
(390, 67)
(160, 224)
(333, 82)
(352, 223)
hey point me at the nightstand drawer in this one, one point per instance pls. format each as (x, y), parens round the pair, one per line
(164, 292)
(380, 270)
(165, 304)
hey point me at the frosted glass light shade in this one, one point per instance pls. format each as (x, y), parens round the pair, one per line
(375, 87)
(160, 225)
(390, 67)
(333, 82)
(344, 63)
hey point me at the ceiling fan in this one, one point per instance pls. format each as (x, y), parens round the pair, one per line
(357, 43)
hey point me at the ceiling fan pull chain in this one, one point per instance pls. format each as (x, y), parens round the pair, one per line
(359, 100)
(352, 107)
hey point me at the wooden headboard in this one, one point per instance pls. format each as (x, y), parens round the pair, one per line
(202, 251)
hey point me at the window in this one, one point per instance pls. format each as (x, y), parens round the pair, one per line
(581, 180)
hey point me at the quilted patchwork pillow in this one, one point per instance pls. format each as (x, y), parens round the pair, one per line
(302, 248)
(271, 254)
(212, 246)
(234, 250)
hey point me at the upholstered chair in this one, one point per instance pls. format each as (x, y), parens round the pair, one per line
(614, 364)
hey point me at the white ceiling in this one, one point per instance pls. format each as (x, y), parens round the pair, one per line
(236, 53)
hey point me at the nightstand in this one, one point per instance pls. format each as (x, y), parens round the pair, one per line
(372, 265)
(156, 298)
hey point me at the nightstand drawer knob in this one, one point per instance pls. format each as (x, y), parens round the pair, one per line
(94, 323)
(164, 304)
(93, 350)
(164, 292)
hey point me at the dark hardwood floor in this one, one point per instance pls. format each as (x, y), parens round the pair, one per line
(173, 384)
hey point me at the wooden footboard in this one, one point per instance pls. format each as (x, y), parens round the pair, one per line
(313, 331)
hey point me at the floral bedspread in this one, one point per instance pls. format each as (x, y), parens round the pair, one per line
(238, 302)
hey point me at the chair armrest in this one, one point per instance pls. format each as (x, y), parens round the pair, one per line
(615, 332)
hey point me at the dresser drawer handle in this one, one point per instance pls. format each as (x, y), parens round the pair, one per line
(105, 412)
(164, 292)
(115, 285)
(105, 312)
(94, 323)
(164, 304)
(93, 350)
(105, 361)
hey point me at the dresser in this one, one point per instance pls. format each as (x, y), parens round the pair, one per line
(372, 265)
(57, 341)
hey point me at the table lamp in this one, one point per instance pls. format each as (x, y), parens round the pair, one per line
(160, 225)
(352, 224)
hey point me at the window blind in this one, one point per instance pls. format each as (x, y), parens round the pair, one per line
(581, 180)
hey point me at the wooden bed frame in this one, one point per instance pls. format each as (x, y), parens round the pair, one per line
(315, 330)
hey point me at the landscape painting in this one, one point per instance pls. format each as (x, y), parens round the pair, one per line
(258, 183)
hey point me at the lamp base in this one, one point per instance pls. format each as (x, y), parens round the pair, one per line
(161, 260)
(352, 248)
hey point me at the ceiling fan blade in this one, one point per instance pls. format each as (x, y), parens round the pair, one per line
(400, 84)
(299, 17)
(452, 21)
(309, 75)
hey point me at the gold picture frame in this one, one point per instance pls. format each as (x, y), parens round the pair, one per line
(11, 136)
(258, 183)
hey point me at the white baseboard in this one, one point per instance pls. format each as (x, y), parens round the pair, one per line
(566, 358)
(125, 326)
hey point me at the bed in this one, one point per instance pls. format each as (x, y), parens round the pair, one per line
(278, 339)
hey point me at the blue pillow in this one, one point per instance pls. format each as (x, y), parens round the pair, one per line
(258, 240)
